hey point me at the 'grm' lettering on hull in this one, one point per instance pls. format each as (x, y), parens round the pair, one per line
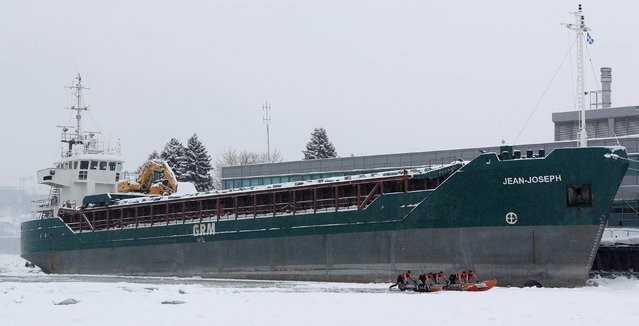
(203, 229)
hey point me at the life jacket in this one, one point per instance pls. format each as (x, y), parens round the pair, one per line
(407, 276)
(461, 277)
(470, 275)
(439, 276)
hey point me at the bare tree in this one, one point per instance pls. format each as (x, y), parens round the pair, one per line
(231, 157)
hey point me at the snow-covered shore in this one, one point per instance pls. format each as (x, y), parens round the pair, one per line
(29, 297)
(620, 237)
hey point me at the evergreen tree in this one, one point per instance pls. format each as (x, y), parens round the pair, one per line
(319, 146)
(153, 156)
(174, 154)
(198, 165)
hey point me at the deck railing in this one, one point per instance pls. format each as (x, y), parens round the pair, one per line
(335, 197)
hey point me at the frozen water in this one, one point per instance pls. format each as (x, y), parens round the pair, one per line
(28, 297)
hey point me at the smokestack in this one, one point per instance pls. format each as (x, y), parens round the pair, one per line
(606, 80)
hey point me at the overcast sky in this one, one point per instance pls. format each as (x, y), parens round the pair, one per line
(380, 77)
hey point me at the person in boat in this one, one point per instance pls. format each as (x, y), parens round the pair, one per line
(457, 278)
(426, 278)
(461, 277)
(403, 279)
(432, 278)
(452, 279)
(471, 277)
(440, 278)
(422, 278)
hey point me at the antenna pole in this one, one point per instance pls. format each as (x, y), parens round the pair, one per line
(580, 27)
(267, 120)
(77, 92)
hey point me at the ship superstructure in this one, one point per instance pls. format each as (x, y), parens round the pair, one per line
(87, 164)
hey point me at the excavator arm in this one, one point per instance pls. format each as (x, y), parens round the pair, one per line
(156, 178)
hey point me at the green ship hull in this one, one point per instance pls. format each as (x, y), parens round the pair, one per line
(516, 220)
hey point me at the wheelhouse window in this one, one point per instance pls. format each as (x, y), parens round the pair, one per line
(579, 195)
(84, 165)
(118, 167)
(75, 165)
(103, 166)
(94, 165)
(111, 166)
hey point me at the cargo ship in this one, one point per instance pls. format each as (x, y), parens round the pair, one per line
(517, 219)
(521, 218)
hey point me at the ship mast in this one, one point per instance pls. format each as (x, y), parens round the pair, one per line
(580, 27)
(77, 92)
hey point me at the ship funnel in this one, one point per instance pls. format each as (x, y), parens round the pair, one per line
(606, 81)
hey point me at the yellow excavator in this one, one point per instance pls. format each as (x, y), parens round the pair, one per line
(156, 178)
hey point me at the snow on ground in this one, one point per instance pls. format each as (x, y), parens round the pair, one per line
(29, 297)
(620, 236)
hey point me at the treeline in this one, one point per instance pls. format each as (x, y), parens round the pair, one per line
(192, 163)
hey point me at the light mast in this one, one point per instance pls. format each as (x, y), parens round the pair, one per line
(77, 92)
(267, 120)
(580, 27)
